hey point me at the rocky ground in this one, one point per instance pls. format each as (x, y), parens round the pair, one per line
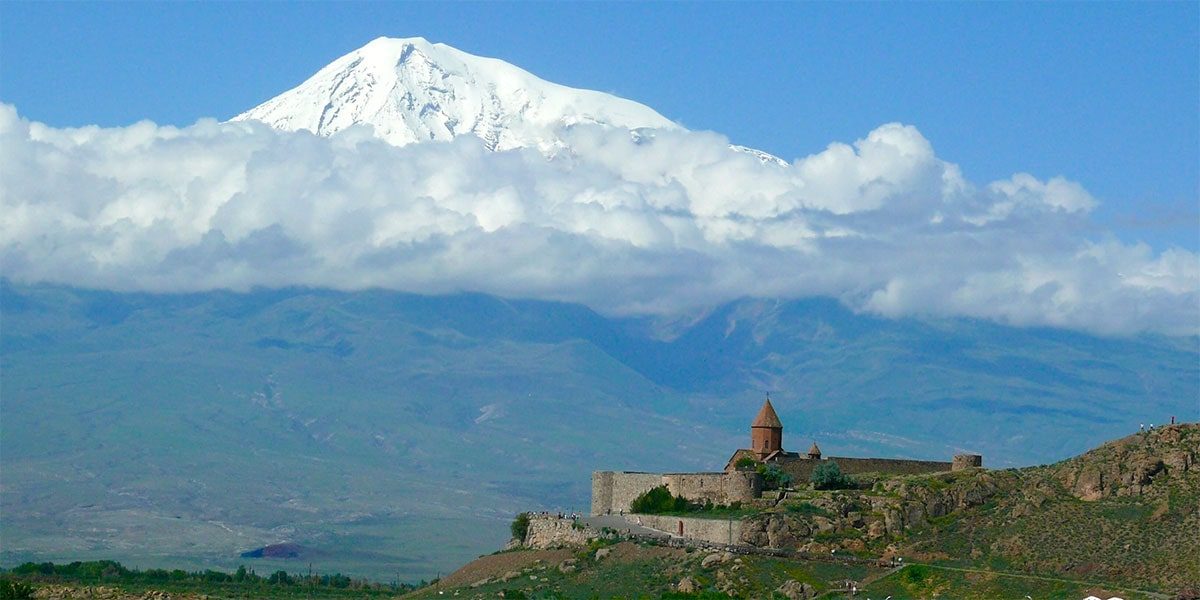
(65, 592)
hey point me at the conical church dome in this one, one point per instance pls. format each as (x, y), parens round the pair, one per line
(767, 417)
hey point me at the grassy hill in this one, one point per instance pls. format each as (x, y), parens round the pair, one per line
(183, 430)
(1127, 512)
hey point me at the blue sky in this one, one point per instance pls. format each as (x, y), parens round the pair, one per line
(1104, 94)
(1029, 100)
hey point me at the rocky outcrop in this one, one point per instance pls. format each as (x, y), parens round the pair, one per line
(894, 507)
(776, 531)
(550, 531)
(1130, 466)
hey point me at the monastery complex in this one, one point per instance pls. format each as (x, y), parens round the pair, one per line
(614, 491)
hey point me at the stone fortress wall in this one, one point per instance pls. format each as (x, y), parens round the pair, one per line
(719, 488)
(967, 461)
(801, 470)
(615, 491)
(716, 531)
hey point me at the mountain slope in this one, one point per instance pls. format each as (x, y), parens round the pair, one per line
(410, 91)
(365, 424)
(413, 91)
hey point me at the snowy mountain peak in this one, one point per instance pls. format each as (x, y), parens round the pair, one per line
(411, 90)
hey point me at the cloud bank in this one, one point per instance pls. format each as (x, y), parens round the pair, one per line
(671, 222)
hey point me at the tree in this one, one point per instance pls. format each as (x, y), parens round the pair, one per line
(520, 526)
(829, 476)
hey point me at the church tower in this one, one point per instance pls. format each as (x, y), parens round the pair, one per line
(766, 432)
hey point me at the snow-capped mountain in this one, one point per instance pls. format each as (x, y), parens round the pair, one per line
(411, 90)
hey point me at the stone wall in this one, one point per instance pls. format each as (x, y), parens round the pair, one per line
(890, 466)
(801, 470)
(966, 461)
(742, 486)
(697, 486)
(717, 531)
(718, 488)
(602, 487)
(614, 491)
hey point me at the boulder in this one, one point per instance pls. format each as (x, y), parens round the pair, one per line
(567, 566)
(876, 530)
(795, 590)
(687, 585)
(823, 525)
(779, 533)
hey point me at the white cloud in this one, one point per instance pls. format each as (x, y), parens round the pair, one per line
(674, 222)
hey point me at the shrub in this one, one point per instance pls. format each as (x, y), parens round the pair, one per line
(14, 590)
(914, 573)
(829, 476)
(745, 463)
(807, 508)
(520, 526)
(773, 476)
(655, 500)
